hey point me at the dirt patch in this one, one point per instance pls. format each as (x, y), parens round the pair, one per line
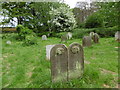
(117, 47)
(117, 86)
(106, 86)
(7, 54)
(107, 71)
(29, 74)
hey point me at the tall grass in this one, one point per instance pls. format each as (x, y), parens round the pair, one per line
(27, 67)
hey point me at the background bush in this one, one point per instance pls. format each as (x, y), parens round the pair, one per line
(103, 32)
(94, 21)
(22, 32)
(30, 40)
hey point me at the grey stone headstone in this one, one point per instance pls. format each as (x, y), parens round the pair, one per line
(63, 38)
(8, 42)
(44, 37)
(59, 63)
(96, 38)
(91, 35)
(69, 35)
(75, 61)
(86, 41)
(117, 36)
(48, 49)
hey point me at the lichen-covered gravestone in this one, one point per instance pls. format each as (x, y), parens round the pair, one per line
(96, 38)
(75, 61)
(59, 63)
(44, 37)
(91, 35)
(69, 35)
(117, 36)
(86, 41)
(48, 49)
(63, 38)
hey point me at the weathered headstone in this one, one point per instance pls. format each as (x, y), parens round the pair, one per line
(63, 38)
(117, 36)
(75, 61)
(91, 35)
(86, 41)
(59, 63)
(44, 37)
(48, 49)
(69, 35)
(96, 38)
(8, 42)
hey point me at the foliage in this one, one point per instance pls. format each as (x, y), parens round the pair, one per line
(109, 11)
(19, 10)
(23, 31)
(94, 21)
(33, 15)
(62, 19)
(103, 32)
(58, 35)
(30, 40)
(39, 22)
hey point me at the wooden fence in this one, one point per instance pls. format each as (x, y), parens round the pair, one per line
(8, 29)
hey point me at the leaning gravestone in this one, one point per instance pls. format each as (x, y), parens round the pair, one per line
(117, 36)
(86, 41)
(44, 37)
(69, 35)
(91, 35)
(96, 38)
(75, 61)
(59, 63)
(48, 49)
(64, 38)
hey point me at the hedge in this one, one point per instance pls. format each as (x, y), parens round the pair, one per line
(103, 32)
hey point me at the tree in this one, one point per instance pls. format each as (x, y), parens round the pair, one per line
(41, 15)
(19, 10)
(109, 11)
(62, 19)
(94, 21)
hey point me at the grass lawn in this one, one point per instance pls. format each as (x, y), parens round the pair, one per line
(27, 67)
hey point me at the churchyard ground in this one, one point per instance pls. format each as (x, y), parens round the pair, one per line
(27, 67)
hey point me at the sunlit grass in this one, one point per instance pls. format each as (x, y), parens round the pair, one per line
(27, 67)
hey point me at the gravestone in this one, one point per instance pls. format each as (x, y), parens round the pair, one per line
(48, 49)
(63, 38)
(96, 38)
(44, 37)
(91, 35)
(8, 42)
(75, 61)
(69, 35)
(86, 41)
(117, 36)
(59, 63)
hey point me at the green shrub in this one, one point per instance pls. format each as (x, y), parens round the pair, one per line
(107, 32)
(58, 35)
(30, 40)
(19, 28)
(94, 21)
(103, 32)
(79, 33)
(22, 32)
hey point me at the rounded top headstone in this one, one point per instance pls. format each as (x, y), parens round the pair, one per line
(44, 37)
